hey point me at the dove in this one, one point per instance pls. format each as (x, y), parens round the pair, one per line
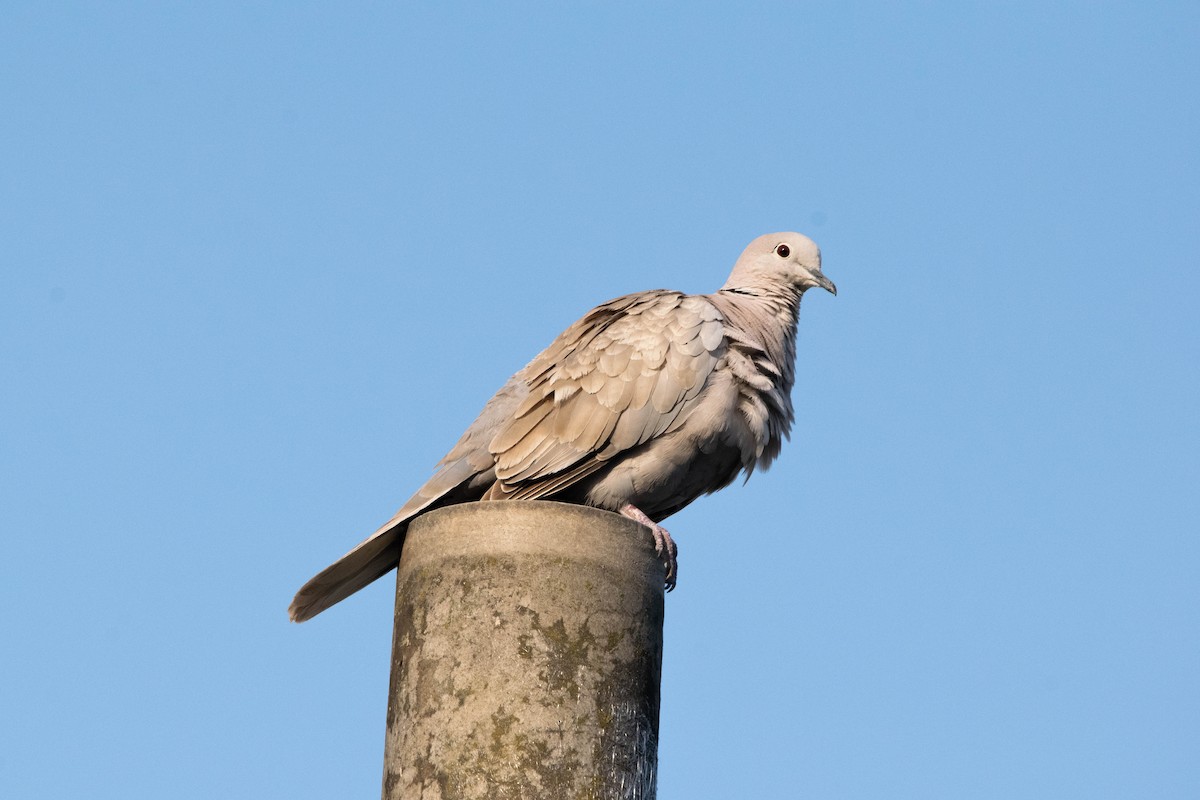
(646, 403)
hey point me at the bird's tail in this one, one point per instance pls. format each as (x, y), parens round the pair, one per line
(376, 555)
(372, 559)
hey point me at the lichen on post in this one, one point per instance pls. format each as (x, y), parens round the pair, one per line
(526, 656)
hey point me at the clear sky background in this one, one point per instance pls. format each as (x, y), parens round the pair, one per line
(263, 262)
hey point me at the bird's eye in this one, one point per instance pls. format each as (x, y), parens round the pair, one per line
(783, 251)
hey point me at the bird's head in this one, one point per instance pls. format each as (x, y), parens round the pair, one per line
(792, 258)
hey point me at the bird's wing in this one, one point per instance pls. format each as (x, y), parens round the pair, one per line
(629, 371)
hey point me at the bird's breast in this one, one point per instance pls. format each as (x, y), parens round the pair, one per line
(702, 454)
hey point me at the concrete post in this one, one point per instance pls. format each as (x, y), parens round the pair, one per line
(526, 656)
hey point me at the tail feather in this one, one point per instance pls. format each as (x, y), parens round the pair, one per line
(380, 552)
(368, 562)
(463, 475)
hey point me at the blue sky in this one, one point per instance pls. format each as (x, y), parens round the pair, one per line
(263, 262)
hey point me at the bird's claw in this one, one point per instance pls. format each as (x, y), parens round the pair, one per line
(664, 545)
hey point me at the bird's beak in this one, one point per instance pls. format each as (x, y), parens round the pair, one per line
(823, 282)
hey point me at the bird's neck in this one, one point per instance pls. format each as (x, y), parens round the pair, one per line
(779, 298)
(777, 301)
(765, 348)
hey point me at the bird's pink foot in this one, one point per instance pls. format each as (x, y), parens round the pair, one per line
(664, 546)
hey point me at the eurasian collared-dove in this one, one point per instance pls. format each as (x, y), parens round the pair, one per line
(646, 403)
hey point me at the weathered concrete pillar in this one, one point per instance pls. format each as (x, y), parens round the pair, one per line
(526, 656)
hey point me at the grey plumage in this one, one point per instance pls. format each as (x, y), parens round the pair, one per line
(640, 407)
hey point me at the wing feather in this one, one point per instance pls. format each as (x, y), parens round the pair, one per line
(625, 373)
